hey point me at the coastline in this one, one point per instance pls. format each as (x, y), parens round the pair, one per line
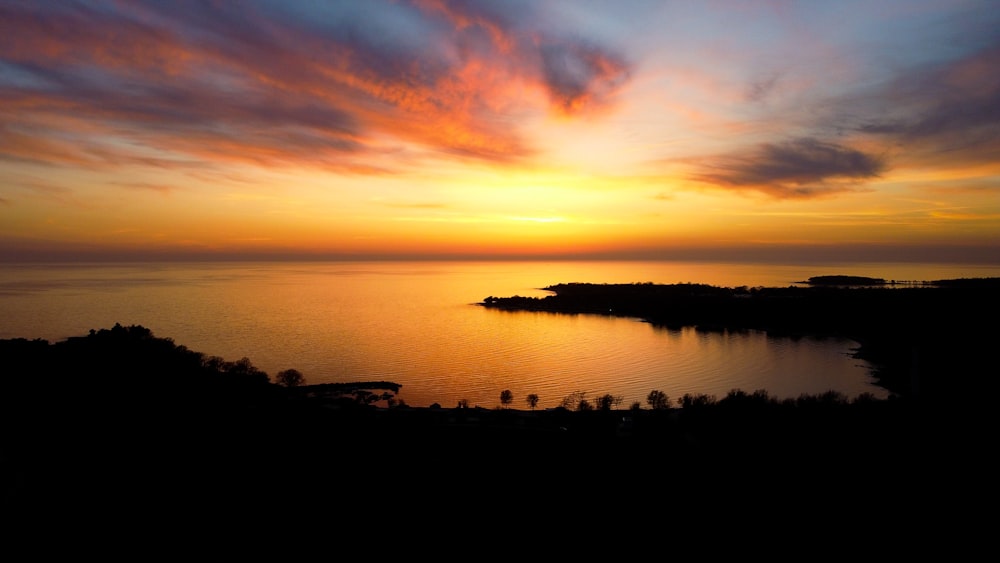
(916, 338)
(121, 417)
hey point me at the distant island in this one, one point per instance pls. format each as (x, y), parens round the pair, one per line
(862, 281)
(844, 280)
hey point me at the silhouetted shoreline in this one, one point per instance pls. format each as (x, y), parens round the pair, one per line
(922, 340)
(124, 417)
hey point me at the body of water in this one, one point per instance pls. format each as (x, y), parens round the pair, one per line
(416, 323)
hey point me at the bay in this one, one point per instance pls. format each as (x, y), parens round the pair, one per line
(417, 324)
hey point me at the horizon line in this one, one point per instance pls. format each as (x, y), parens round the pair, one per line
(812, 255)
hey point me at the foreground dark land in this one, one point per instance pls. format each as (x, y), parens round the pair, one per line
(126, 419)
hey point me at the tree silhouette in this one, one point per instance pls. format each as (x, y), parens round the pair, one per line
(658, 400)
(506, 396)
(290, 378)
(573, 400)
(532, 400)
(697, 400)
(607, 401)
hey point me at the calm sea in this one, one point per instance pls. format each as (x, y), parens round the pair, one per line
(416, 323)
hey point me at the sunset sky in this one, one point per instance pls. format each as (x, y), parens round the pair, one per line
(750, 130)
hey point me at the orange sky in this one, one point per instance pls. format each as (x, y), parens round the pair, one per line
(758, 131)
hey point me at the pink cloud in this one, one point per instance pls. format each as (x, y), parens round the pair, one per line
(238, 84)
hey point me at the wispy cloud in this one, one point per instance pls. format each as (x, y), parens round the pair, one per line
(267, 83)
(946, 114)
(934, 109)
(148, 186)
(759, 89)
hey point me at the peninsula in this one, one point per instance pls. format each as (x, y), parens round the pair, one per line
(922, 340)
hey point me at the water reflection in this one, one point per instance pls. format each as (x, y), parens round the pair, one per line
(415, 324)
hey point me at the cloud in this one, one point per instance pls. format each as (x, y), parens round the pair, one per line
(799, 168)
(759, 89)
(939, 112)
(336, 85)
(580, 76)
(945, 115)
(164, 189)
(121, 76)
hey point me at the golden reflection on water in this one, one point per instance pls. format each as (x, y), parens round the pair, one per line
(415, 323)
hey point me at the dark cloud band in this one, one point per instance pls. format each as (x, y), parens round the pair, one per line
(802, 167)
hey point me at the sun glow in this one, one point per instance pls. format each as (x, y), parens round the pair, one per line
(539, 219)
(529, 128)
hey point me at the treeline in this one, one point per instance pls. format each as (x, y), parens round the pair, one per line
(658, 400)
(130, 367)
(738, 420)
